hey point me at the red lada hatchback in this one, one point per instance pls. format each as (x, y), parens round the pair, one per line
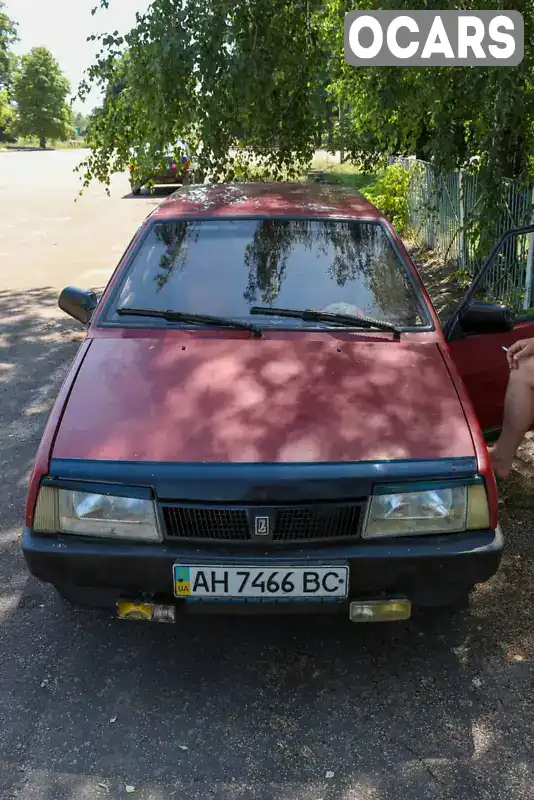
(266, 416)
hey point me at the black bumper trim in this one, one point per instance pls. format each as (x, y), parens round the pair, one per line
(428, 571)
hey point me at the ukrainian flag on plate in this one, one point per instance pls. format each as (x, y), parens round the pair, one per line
(182, 581)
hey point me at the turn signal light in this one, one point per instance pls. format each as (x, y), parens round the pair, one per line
(46, 517)
(478, 513)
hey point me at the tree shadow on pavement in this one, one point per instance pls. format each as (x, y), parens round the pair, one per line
(243, 708)
(159, 192)
(37, 343)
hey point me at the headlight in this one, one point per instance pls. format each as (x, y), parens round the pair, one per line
(88, 514)
(432, 509)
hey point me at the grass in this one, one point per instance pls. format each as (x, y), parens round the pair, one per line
(74, 144)
(346, 173)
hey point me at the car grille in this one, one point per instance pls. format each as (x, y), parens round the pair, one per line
(321, 522)
(185, 522)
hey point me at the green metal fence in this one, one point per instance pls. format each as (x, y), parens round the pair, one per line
(441, 207)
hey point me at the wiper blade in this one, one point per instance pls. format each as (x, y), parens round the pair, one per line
(310, 315)
(195, 319)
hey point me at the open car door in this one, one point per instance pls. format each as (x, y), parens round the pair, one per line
(496, 311)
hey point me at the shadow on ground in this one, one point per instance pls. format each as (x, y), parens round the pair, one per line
(158, 193)
(37, 343)
(444, 290)
(237, 708)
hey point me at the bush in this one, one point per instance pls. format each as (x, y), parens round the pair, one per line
(389, 193)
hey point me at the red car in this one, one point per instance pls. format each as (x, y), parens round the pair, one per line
(174, 168)
(266, 416)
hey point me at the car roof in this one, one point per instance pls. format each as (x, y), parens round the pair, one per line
(267, 199)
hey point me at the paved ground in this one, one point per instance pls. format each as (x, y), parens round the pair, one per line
(214, 709)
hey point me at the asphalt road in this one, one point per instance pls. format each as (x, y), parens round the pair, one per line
(222, 709)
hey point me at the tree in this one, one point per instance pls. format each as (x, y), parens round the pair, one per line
(8, 36)
(81, 122)
(8, 115)
(40, 91)
(446, 115)
(246, 72)
(8, 62)
(325, 108)
(225, 74)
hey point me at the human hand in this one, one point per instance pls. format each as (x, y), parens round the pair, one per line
(524, 348)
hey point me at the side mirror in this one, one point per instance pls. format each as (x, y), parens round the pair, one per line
(78, 303)
(481, 317)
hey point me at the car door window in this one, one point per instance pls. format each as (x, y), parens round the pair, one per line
(509, 277)
(480, 359)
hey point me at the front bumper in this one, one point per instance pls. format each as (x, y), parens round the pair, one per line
(429, 571)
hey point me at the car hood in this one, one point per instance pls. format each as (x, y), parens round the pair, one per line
(300, 398)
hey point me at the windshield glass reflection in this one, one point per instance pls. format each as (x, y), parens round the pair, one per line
(223, 267)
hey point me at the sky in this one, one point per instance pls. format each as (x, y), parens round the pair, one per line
(64, 25)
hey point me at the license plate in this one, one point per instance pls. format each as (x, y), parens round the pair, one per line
(260, 582)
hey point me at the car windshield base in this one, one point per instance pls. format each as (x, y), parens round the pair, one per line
(195, 319)
(311, 315)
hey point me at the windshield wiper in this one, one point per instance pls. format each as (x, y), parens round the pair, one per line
(310, 315)
(195, 319)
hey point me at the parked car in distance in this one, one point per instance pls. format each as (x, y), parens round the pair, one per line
(266, 416)
(178, 167)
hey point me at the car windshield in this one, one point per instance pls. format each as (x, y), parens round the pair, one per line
(225, 267)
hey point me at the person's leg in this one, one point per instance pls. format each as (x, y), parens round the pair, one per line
(518, 417)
